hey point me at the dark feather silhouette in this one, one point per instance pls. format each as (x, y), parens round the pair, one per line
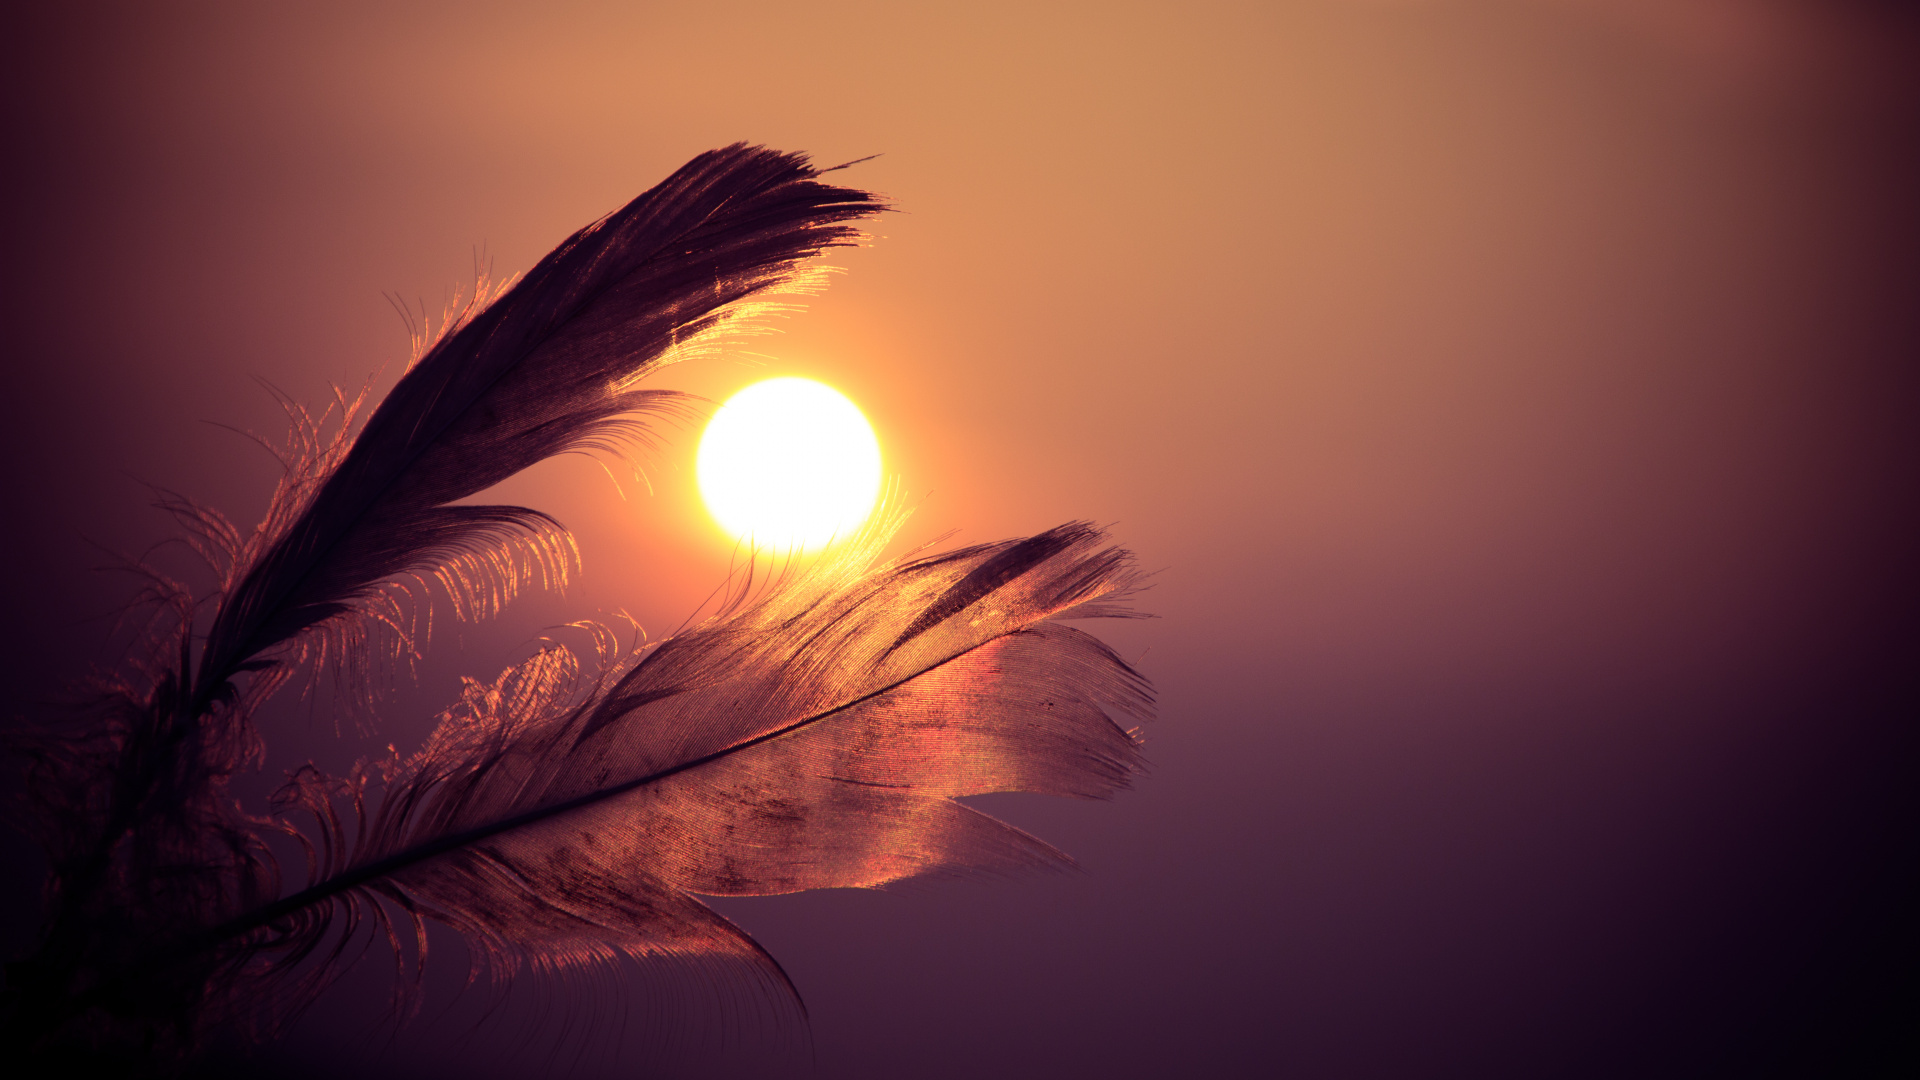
(566, 813)
(546, 368)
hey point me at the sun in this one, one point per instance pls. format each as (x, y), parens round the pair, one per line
(789, 465)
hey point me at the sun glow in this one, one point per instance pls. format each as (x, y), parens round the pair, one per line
(789, 465)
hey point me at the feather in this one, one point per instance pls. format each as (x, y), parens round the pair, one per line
(546, 368)
(816, 739)
(569, 813)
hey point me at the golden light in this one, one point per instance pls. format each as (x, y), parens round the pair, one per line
(789, 464)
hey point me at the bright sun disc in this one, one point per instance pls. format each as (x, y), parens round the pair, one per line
(789, 464)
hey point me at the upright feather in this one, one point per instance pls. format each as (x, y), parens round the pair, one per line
(548, 367)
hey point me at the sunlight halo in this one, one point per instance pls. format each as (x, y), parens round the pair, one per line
(789, 465)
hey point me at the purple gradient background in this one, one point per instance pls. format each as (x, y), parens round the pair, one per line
(1519, 399)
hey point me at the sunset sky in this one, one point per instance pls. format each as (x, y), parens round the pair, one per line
(1516, 399)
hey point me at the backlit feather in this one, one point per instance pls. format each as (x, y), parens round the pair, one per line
(797, 744)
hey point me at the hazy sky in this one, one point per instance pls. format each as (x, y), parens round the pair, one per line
(1517, 401)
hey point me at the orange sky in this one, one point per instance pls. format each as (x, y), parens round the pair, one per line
(1515, 398)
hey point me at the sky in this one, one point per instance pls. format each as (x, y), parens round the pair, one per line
(1514, 398)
